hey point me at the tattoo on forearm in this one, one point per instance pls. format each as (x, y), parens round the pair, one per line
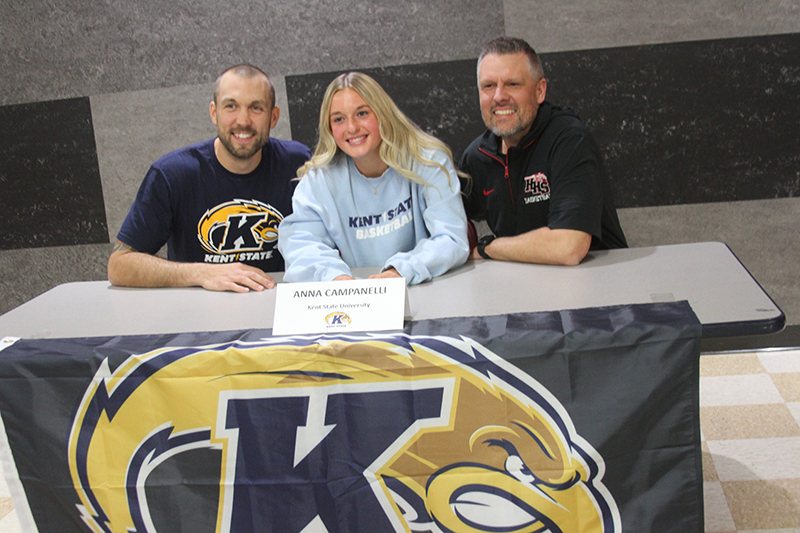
(121, 246)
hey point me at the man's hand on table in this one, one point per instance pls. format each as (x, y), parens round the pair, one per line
(236, 277)
(129, 268)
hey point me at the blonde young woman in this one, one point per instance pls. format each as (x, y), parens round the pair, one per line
(378, 192)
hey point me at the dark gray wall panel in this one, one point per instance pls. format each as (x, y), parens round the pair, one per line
(706, 121)
(440, 97)
(682, 123)
(50, 192)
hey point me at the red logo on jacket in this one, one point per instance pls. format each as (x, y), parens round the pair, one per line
(537, 188)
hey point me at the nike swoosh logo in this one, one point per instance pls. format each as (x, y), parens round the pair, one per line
(487, 193)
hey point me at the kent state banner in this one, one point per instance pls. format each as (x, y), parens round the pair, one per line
(572, 421)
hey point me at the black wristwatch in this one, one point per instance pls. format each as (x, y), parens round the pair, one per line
(482, 244)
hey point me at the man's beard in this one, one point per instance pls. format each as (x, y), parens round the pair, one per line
(521, 126)
(241, 152)
(510, 130)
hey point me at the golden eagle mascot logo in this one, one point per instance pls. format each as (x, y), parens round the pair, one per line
(332, 433)
(238, 226)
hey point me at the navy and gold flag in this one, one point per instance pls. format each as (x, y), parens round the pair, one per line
(573, 421)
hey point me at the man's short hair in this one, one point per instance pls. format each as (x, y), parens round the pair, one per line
(512, 45)
(246, 70)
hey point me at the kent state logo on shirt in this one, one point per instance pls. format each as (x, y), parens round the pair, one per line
(238, 231)
(372, 226)
(335, 433)
(537, 188)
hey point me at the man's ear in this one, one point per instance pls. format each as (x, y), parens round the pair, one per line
(276, 114)
(212, 109)
(541, 89)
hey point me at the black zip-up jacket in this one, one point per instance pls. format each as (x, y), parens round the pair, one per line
(554, 177)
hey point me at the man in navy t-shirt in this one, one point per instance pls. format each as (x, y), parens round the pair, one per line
(216, 204)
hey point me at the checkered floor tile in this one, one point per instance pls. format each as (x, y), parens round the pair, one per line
(750, 419)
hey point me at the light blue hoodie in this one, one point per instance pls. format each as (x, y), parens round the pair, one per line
(342, 219)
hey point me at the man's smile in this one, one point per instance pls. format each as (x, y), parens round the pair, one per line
(244, 136)
(503, 112)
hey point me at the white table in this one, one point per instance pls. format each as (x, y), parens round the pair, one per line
(722, 293)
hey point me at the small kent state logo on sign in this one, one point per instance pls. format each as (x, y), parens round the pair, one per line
(337, 318)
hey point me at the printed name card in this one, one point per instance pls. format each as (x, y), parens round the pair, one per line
(339, 306)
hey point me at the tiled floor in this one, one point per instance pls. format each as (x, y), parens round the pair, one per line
(750, 417)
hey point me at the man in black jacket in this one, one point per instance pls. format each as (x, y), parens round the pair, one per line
(537, 175)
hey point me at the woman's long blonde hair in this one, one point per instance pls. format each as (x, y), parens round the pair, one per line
(402, 141)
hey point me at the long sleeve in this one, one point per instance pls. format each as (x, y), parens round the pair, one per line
(307, 246)
(344, 220)
(445, 223)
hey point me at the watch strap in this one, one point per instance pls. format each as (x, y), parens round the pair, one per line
(482, 244)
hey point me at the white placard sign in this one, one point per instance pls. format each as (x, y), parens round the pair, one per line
(5, 342)
(339, 306)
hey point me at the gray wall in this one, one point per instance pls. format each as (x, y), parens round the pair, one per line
(93, 92)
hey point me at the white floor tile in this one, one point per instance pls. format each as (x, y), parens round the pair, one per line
(3, 484)
(752, 459)
(10, 523)
(780, 362)
(794, 408)
(717, 513)
(749, 389)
